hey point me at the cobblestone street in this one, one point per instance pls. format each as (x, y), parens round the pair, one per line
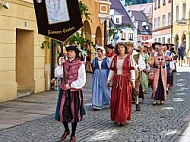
(160, 123)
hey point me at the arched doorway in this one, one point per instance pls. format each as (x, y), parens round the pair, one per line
(87, 34)
(98, 37)
(86, 30)
(176, 41)
(183, 39)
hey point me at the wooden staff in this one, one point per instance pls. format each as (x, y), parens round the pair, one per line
(64, 76)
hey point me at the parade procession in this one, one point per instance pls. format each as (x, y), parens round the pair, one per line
(94, 71)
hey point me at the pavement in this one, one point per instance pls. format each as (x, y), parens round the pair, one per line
(31, 118)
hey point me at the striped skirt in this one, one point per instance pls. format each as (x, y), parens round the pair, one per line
(71, 106)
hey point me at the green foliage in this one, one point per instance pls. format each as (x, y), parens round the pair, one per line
(84, 11)
(118, 28)
(46, 43)
(80, 41)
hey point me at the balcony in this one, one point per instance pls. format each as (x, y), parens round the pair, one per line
(104, 13)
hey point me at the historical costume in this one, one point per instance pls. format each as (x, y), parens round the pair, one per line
(100, 92)
(109, 51)
(160, 76)
(71, 107)
(169, 66)
(58, 75)
(140, 66)
(144, 81)
(152, 53)
(122, 73)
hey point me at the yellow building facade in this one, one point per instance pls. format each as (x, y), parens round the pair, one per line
(24, 66)
(181, 23)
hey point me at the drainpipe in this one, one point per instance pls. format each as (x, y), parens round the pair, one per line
(105, 30)
(172, 22)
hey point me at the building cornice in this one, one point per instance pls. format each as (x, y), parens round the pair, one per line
(162, 28)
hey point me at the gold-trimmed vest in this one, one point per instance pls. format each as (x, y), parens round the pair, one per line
(138, 73)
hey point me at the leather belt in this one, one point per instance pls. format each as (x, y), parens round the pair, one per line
(158, 67)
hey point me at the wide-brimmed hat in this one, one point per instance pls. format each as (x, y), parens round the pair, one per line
(154, 44)
(109, 46)
(171, 44)
(72, 47)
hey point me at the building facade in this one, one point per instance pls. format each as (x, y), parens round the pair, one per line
(21, 58)
(162, 21)
(181, 23)
(143, 26)
(125, 30)
(24, 66)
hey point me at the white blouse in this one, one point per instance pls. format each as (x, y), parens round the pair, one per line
(120, 68)
(100, 63)
(81, 80)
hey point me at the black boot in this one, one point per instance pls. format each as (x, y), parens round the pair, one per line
(138, 108)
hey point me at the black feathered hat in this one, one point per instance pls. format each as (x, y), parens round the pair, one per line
(154, 44)
(72, 47)
(171, 44)
(109, 46)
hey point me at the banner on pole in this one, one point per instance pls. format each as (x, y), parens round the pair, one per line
(58, 19)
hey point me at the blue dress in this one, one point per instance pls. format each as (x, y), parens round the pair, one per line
(100, 92)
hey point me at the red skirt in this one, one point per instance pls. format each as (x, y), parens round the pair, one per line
(121, 97)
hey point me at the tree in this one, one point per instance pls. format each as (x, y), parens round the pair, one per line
(112, 32)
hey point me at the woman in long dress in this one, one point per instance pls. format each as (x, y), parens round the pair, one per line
(160, 76)
(122, 73)
(100, 92)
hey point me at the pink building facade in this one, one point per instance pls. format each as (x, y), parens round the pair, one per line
(162, 21)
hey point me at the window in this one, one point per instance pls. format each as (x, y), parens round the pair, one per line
(123, 36)
(142, 38)
(184, 11)
(169, 19)
(177, 12)
(158, 3)
(155, 39)
(159, 40)
(117, 20)
(155, 4)
(163, 20)
(155, 23)
(164, 2)
(130, 36)
(158, 22)
(163, 40)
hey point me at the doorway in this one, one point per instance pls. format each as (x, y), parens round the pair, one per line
(24, 60)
